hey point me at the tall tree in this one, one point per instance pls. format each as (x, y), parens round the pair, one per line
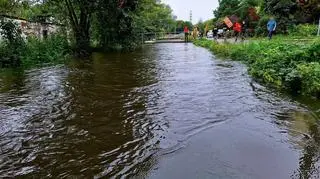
(113, 22)
(226, 8)
(79, 13)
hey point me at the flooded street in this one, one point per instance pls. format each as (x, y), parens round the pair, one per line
(166, 111)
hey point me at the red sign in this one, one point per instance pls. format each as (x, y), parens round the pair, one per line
(228, 22)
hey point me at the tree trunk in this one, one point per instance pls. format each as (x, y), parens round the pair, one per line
(82, 46)
(80, 25)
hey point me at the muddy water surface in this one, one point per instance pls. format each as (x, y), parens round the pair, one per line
(167, 111)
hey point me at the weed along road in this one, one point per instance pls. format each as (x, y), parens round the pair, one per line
(167, 111)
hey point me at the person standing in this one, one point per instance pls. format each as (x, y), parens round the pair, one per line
(186, 33)
(271, 26)
(195, 32)
(215, 33)
(244, 30)
(237, 30)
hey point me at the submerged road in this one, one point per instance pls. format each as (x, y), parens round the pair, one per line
(167, 111)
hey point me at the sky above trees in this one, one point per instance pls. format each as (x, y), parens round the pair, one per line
(201, 9)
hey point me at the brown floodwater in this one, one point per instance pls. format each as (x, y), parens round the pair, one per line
(165, 111)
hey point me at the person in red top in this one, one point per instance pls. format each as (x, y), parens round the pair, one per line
(186, 33)
(237, 30)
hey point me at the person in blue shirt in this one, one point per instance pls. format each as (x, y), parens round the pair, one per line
(271, 26)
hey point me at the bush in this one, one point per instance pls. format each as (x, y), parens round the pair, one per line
(51, 50)
(14, 51)
(310, 77)
(261, 28)
(12, 44)
(305, 30)
(285, 65)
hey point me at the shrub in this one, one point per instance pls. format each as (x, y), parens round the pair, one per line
(14, 51)
(285, 65)
(310, 77)
(51, 50)
(12, 44)
(305, 30)
(261, 28)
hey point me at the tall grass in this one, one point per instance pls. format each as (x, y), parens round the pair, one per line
(16, 51)
(34, 52)
(293, 66)
(51, 50)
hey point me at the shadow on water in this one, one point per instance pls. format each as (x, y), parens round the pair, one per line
(302, 127)
(307, 124)
(12, 79)
(86, 120)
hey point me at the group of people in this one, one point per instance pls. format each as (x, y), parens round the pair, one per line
(239, 30)
(195, 33)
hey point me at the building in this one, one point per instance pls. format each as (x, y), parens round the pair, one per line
(40, 28)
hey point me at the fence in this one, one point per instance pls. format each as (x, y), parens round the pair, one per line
(154, 36)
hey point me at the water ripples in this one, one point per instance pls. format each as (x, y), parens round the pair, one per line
(110, 117)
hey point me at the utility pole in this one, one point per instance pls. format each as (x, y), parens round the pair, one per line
(319, 28)
(191, 16)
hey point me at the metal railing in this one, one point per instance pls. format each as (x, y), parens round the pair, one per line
(154, 36)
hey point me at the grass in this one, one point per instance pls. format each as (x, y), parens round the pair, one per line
(282, 62)
(34, 52)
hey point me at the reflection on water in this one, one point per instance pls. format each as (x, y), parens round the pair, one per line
(306, 124)
(110, 115)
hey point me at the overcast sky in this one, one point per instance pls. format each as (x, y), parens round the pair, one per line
(200, 9)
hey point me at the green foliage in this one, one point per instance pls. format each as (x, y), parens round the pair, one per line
(226, 8)
(104, 24)
(122, 27)
(280, 63)
(305, 30)
(310, 75)
(51, 50)
(34, 52)
(201, 25)
(14, 51)
(210, 23)
(153, 17)
(180, 24)
(261, 28)
(12, 44)
(287, 13)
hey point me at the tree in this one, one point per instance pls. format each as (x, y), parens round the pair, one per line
(153, 17)
(7, 6)
(104, 22)
(308, 11)
(226, 8)
(114, 23)
(247, 9)
(201, 25)
(79, 14)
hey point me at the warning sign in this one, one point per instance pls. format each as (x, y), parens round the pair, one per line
(228, 22)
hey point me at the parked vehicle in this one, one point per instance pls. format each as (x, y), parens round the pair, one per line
(220, 33)
(210, 34)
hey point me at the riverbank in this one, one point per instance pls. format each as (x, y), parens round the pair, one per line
(34, 52)
(285, 64)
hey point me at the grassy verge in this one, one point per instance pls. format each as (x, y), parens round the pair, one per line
(282, 62)
(53, 50)
(34, 52)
